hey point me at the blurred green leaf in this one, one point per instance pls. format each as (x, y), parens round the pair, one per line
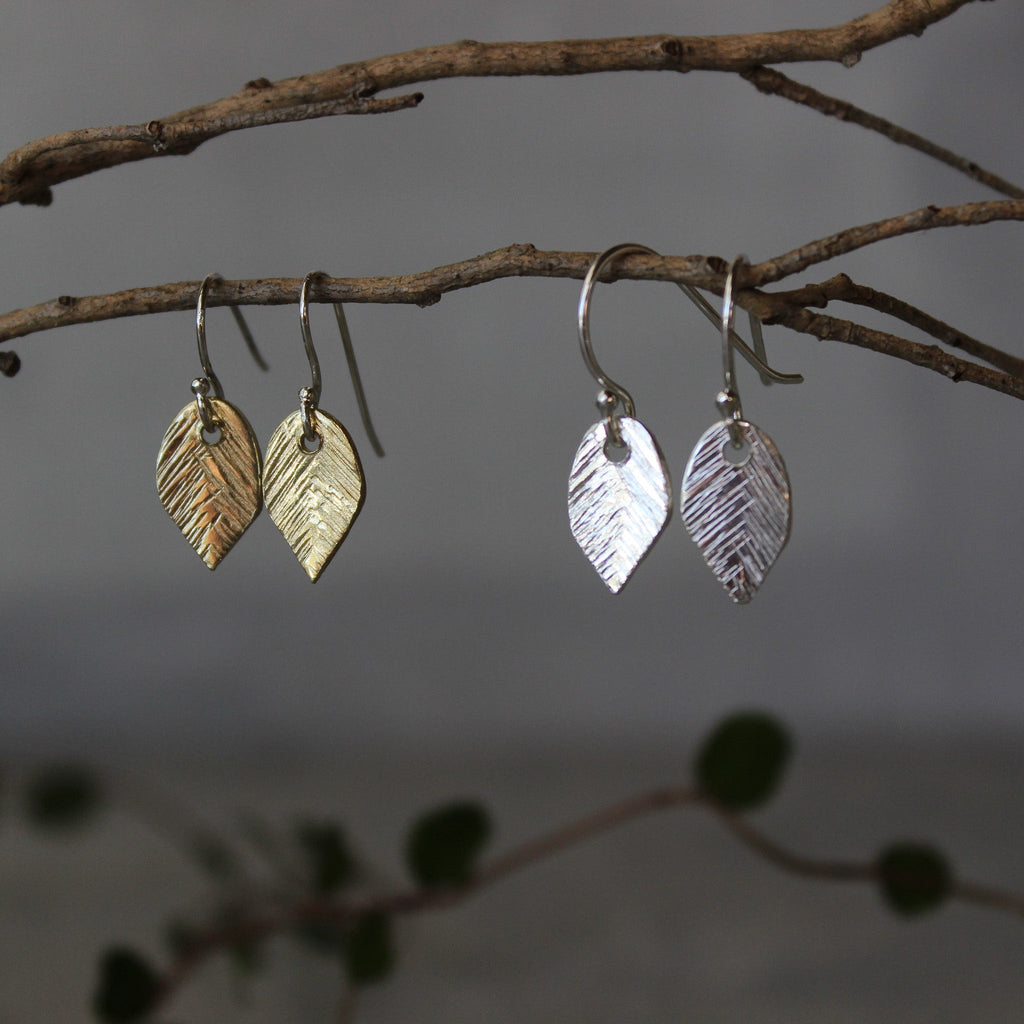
(741, 762)
(246, 958)
(127, 987)
(244, 952)
(62, 796)
(329, 859)
(369, 949)
(444, 845)
(214, 856)
(180, 937)
(914, 878)
(265, 840)
(322, 936)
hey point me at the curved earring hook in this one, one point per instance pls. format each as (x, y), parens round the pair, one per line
(617, 391)
(202, 386)
(756, 356)
(728, 312)
(204, 354)
(309, 398)
(728, 399)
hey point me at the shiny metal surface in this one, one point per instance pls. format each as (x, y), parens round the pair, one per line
(583, 322)
(728, 400)
(201, 391)
(313, 497)
(210, 490)
(204, 354)
(307, 340)
(738, 515)
(756, 356)
(357, 379)
(617, 510)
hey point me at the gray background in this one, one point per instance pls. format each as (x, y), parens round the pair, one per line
(460, 642)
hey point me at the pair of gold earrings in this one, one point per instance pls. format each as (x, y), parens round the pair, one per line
(735, 497)
(213, 481)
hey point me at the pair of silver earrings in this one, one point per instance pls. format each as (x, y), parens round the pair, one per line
(735, 498)
(213, 481)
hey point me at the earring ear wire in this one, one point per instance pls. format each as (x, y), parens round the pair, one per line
(350, 358)
(243, 327)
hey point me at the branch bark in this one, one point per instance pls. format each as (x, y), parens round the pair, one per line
(28, 174)
(840, 288)
(774, 83)
(523, 260)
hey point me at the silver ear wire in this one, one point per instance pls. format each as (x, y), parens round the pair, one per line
(204, 355)
(309, 398)
(728, 399)
(612, 393)
(755, 356)
(202, 386)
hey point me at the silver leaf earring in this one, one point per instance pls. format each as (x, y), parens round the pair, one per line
(620, 495)
(736, 495)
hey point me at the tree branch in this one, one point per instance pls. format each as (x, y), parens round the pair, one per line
(774, 83)
(924, 219)
(523, 260)
(841, 288)
(28, 174)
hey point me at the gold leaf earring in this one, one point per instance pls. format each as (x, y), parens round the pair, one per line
(208, 470)
(313, 481)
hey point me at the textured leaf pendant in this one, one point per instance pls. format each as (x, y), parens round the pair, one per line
(313, 497)
(210, 489)
(617, 510)
(738, 513)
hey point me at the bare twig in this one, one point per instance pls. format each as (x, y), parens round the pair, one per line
(841, 288)
(925, 219)
(155, 138)
(774, 83)
(28, 174)
(928, 357)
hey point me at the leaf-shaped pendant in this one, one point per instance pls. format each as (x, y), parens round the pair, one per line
(211, 489)
(313, 497)
(617, 510)
(738, 512)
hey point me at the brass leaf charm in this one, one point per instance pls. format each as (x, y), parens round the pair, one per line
(210, 490)
(313, 497)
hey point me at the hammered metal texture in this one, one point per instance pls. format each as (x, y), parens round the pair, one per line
(739, 515)
(313, 497)
(617, 510)
(211, 491)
